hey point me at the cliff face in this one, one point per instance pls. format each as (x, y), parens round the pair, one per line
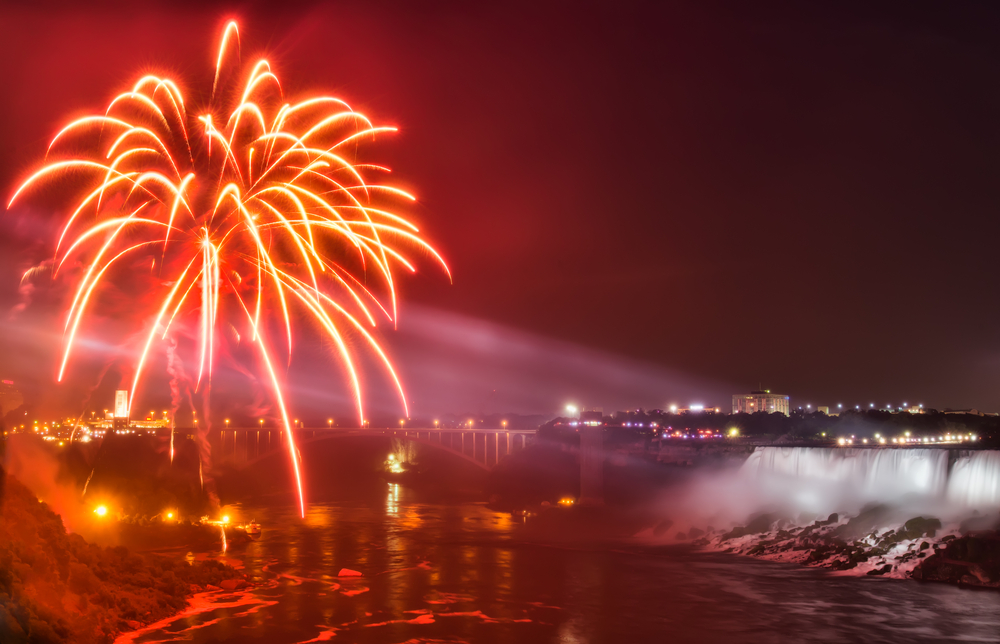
(56, 587)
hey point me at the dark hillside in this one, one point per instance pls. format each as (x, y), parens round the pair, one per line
(56, 587)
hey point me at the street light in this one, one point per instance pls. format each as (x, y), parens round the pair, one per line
(400, 422)
(261, 421)
(227, 423)
(435, 423)
(504, 423)
(329, 423)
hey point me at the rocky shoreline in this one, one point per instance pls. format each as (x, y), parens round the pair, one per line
(965, 554)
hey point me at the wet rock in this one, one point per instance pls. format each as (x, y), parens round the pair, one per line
(694, 533)
(871, 517)
(134, 625)
(925, 545)
(973, 560)
(880, 571)
(347, 572)
(757, 525)
(920, 527)
(233, 584)
(681, 536)
(212, 588)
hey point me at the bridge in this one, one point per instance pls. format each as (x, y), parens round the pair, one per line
(485, 447)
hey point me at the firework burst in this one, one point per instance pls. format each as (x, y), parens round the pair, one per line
(253, 216)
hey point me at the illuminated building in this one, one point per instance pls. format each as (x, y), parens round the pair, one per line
(121, 409)
(762, 400)
(696, 409)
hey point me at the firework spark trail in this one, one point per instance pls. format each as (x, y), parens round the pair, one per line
(87, 484)
(233, 209)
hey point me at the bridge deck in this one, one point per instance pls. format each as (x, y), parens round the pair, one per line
(484, 447)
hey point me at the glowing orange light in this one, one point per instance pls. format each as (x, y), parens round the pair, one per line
(242, 218)
(101, 510)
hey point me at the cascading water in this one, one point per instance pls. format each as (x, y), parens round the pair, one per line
(818, 480)
(975, 480)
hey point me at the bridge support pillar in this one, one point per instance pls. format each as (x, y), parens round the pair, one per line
(592, 465)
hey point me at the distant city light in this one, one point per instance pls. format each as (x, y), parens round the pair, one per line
(571, 409)
(673, 408)
(697, 407)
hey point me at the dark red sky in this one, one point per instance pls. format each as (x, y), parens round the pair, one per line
(777, 192)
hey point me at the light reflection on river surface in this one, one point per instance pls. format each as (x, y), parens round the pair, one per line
(458, 573)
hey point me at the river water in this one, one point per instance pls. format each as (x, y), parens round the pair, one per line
(460, 573)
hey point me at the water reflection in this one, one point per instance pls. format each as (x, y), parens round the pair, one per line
(459, 573)
(392, 501)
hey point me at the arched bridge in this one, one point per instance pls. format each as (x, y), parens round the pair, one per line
(484, 447)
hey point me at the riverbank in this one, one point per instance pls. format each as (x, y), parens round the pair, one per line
(56, 587)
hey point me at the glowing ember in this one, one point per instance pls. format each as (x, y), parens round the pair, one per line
(238, 216)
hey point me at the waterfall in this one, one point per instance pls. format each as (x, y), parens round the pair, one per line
(875, 471)
(823, 480)
(841, 479)
(975, 480)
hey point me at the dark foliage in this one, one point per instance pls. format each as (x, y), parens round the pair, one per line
(56, 587)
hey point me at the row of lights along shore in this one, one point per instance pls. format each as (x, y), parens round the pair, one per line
(906, 438)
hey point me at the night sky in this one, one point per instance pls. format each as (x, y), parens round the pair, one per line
(800, 196)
